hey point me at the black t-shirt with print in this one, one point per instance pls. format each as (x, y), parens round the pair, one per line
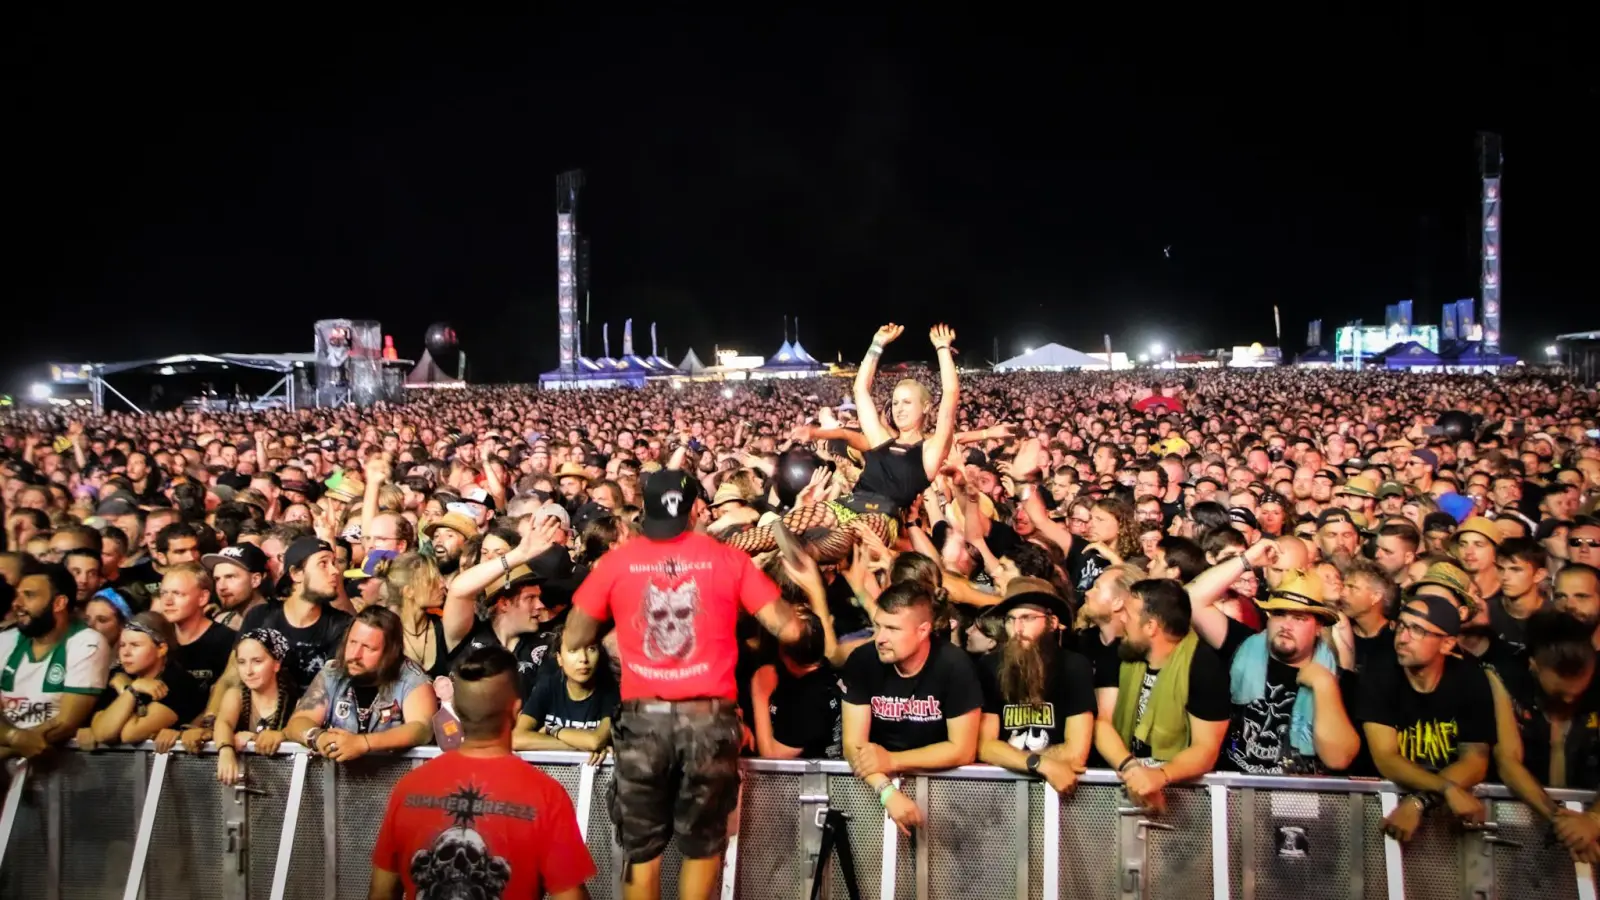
(535, 653)
(309, 648)
(1085, 567)
(552, 708)
(908, 713)
(1208, 693)
(805, 712)
(1258, 734)
(184, 695)
(1511, 630)
(1068, 691)
(1431, 727)
(207, 656)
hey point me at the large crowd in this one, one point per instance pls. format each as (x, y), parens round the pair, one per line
(1163, 573)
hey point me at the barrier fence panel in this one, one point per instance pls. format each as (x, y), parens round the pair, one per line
(990, 834)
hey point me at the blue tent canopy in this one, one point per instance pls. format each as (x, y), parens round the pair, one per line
(1410, 355)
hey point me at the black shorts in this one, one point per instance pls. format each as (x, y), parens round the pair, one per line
(676, 773)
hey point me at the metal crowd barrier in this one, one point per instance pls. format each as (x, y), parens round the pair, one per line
(139, 825)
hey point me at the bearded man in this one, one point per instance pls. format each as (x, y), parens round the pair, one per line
(1038, 696)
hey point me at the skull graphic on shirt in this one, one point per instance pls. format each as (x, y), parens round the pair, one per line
(667, 620)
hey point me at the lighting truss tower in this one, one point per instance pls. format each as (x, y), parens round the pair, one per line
(1489, 161)
(568, 250)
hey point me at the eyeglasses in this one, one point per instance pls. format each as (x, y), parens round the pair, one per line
(1024, 619)
(1415, 630)
(1575, 543)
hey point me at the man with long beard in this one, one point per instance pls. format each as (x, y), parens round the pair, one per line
(54, 665)
(1288, 715)
(1038, 697)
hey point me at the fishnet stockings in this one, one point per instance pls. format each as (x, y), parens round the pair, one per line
(833, 548)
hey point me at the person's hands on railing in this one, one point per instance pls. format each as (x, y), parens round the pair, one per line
(1578, 832)
(1465, 805)
(872, 759)
(228, 769)
(195, 738)
(904, 812)
(1059, 773)
(85, 737)
(1145, 786)
(166, 739)
(599, 757)
(267, 742)
(343, 746)
(1402, 823)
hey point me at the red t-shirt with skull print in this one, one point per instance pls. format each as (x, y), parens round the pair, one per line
(675, 604)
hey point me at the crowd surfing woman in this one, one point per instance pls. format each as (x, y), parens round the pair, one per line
(898, 465)
(256, 709)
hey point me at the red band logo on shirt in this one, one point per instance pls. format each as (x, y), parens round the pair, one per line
(915, 709)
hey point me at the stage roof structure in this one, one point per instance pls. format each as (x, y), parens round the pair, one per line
(93, 374)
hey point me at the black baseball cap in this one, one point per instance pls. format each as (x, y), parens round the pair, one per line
(303, 549)
(669, 497)
(246, 556)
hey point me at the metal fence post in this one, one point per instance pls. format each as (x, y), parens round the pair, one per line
(147, 823)
(1393, 861)
(1050, 876)
(8, 813)
(1219, 840)
(291, 824)
(1582, 870)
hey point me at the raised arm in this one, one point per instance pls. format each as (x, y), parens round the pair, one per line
(866, 407)
(937, 447)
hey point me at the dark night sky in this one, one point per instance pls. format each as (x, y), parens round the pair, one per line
(216, 185)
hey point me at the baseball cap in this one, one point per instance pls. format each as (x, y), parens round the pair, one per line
(303, 549)
(668, 503)
(246, 556)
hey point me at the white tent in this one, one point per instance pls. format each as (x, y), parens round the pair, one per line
(1050, 356)
(691, 363)
(428, 374)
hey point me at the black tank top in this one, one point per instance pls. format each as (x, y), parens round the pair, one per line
(894, 471)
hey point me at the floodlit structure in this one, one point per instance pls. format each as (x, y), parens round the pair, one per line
(294, 389)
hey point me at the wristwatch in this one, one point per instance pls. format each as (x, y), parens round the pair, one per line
(1033, 763)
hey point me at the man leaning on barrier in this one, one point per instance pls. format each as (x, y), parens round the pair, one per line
(54, 666)
(369, 698)
(1172, 707)
(1038, 696)
(1430, 720)
(477, 821)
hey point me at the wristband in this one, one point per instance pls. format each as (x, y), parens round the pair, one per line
(1123, 766)
(874, 350)
(884, 792)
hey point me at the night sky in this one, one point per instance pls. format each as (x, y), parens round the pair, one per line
(208, 185)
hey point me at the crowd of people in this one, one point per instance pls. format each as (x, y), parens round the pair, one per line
(1161, 573)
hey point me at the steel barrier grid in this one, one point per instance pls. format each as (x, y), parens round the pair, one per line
(164, 828)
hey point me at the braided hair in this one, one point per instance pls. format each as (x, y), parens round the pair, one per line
(277, 647)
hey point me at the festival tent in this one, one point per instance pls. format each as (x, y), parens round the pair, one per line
(1410, 355)
(1315, 356)
(691, 363)
(427, 374)
(787, 363)
(1471, 353)
(1050, 356)
(590, 374)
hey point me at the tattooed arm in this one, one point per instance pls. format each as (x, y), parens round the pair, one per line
(311, 711)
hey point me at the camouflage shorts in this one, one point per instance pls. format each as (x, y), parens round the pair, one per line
(676, 773)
